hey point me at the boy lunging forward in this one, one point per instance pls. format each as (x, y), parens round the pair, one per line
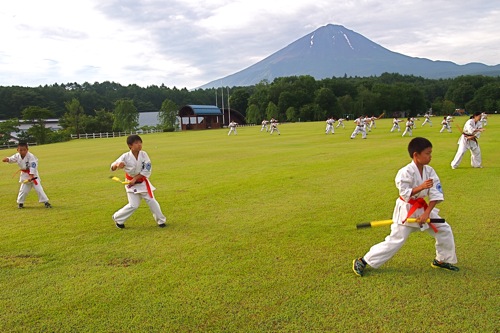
(415, 181)
(137, 166)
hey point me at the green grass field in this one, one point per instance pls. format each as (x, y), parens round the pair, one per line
(260, 237)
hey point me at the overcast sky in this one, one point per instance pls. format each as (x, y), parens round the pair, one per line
(188, 43)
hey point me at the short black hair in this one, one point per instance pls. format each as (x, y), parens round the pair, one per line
(133, 138)
(22, 144)
(476, 114)
(418, 145)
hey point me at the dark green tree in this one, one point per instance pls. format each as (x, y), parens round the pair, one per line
(126, 115)
(168, 115)
(73, 120)
(6, 128)
(254, 115)
(239, 100)
(37, 116)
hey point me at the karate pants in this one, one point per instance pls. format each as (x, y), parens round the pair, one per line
(408, 130)
(475, 159)
(26, 188)
(359, 129)
(382, 252)
(134, 201)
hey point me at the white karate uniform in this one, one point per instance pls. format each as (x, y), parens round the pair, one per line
(395, 125)
(232, 128)
(408, 128)
(274, 127)
(28, 166)
(408, 178)
(360, 127)
(329, 126)
(446, 126)
(427, 120)
(264, 126)
(341, 122)
(138, 191)
(464, 144)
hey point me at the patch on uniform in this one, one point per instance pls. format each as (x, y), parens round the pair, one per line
(439, 188)
(33, 165)
(148, 166)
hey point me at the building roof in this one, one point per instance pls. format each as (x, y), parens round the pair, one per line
(203, 110)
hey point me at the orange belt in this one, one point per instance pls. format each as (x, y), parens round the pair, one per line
(142, 179)
(28, 172)
(415, 204)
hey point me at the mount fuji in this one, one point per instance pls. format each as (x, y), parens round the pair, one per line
(335, 51)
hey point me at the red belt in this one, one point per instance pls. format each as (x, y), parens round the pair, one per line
(142, 179)
(416, 204)
(28, 172)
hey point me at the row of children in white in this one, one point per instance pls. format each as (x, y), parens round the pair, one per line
(273, 126)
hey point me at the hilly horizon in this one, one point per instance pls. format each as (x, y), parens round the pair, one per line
(335, 51)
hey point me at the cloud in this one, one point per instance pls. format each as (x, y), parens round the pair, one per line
(190, 42)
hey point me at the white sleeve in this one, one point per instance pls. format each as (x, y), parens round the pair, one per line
(436, 191)
(33, 161)
(404, 182)
(146, 165)
(118, 160)
(13, 159)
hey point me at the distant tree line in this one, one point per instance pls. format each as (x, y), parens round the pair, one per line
(109, 106)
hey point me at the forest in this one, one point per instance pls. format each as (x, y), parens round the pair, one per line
(100, 107)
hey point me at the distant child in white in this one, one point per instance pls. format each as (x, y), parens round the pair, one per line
(340, 122)
(427, 120)
(408, 127)
(329, 125)
(360, 127)
(137, 167)
(484, 119)
(372, 122)
(274, 126)
(446, 125)
(395, 124)
(232, 128)
(264, 125)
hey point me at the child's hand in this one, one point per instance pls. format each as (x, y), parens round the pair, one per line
(427, 184)
(120, 165)
(422, 218)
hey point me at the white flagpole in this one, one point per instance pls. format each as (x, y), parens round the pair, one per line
(228, 107)
(223, 119)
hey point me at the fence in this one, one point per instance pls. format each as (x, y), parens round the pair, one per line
(14, 145)
(110, 135)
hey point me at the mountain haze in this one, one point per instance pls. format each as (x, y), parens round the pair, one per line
(335, 51)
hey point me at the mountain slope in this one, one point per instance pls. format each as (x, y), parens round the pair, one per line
(334, 50)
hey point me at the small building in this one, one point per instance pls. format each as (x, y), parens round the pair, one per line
(195, 117)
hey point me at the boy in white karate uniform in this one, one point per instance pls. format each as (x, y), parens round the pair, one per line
(329, 125)
(415, 181)
(408, 127)
(137, 165)
(29, 178)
